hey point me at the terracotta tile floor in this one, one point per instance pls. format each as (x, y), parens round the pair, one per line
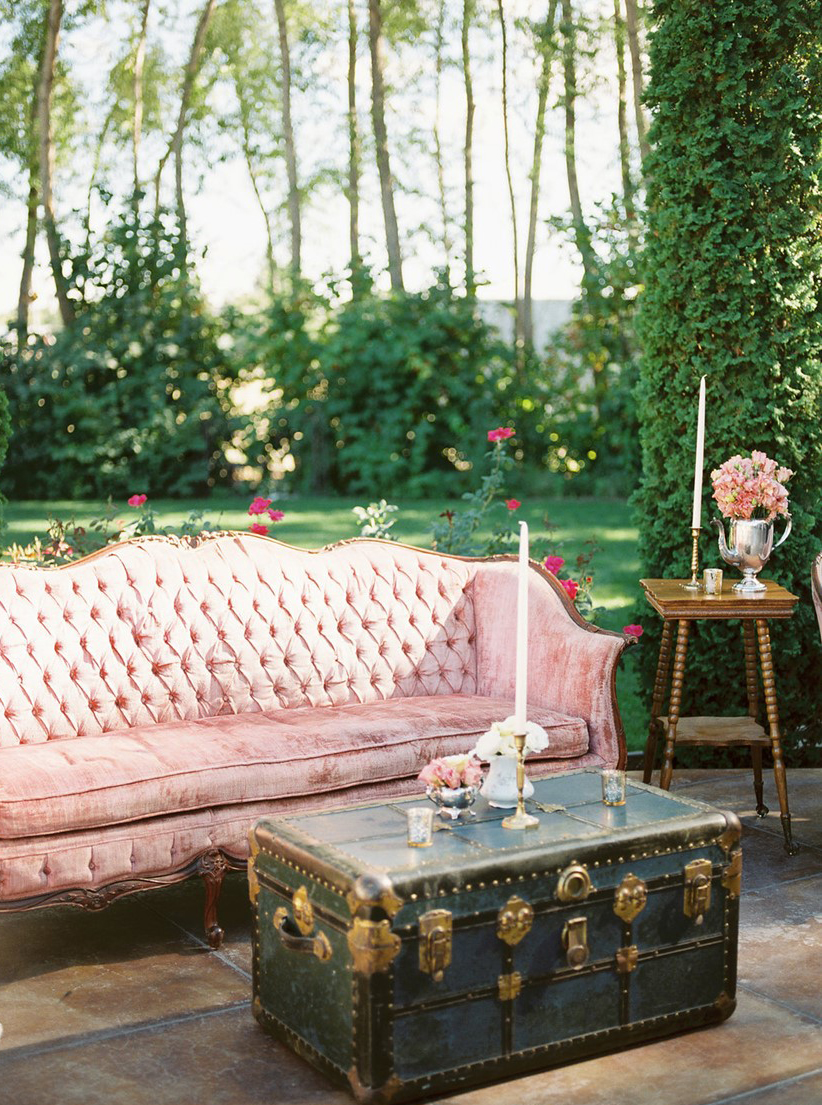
(127, 1007)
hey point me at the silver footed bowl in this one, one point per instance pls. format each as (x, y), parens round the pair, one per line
(454, 801)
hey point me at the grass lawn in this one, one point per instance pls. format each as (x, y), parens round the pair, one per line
(313, 522)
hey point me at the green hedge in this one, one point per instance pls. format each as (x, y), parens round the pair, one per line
(733, 272)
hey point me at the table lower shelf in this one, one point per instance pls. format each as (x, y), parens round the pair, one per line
(718, 732)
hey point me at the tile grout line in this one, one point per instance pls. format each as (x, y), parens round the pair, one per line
(202, 943)
(33, 1050)
(782, 1004)
(782, 882)
(784, 1083)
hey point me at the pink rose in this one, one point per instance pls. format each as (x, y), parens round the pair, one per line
(472, 773)
(501, 433)
(553, 563)
(633, 630)
(259, 505)
(571, 588)
(513, 504)
(276, 515)
(258, 527)
(429, 773)
(450, 776)
(137, 500)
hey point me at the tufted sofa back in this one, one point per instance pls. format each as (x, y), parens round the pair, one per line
(155, 630)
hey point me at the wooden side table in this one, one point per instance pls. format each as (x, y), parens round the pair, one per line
(675, 604)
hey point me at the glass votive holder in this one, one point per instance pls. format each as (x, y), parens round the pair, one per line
(712, 581)
(613, 788)
(420, 826)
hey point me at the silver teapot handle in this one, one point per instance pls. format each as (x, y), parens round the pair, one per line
(787, 531)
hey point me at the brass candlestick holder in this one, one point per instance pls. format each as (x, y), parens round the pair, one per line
(519, 819)
(693, 584)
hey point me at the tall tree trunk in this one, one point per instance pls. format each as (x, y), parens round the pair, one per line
(25, 297)
(137, 90)
(582, 235)
(622, 122)
(439, 46)
(468, 8)
(507, 155)
(353, 152)
(392, 234)
(45, 85)
(95, 168)
(632, 23)
(547, 51)
(252, 175)
(175, 145)
(290, 148)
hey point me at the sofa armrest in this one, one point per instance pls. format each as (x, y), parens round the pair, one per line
(571, 663)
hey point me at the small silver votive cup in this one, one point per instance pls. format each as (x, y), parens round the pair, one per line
(420, 826)
(712, 581)
(613, 788)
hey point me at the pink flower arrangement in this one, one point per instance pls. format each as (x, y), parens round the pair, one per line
(501, 433)
(633, 630)
(553, 563)
(513, 504)
(751, 487)
(571, 587)
(137, 500)
(452, 772)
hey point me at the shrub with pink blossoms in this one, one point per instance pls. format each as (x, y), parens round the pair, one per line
(751, 487)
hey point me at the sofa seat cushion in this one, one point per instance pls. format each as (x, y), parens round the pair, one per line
(111, 778)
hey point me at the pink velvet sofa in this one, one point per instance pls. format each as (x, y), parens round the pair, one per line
(159, 696)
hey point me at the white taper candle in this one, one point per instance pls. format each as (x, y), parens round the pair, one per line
(696, 520)
(521, 685)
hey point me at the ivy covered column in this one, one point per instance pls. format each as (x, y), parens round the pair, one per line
(733, 290)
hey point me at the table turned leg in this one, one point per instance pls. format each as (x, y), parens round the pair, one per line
(662, 669)
(683, 627)
(752, 680)
(769, 685)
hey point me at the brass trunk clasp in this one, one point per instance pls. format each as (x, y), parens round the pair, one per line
(514, 920)
(575, 942)
(630, 898)
(574, 884)
(697, 889)
(307, 943)
(435, 942)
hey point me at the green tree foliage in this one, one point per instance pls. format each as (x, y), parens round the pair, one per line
(733, 270)
(133, 396)
(383, 392)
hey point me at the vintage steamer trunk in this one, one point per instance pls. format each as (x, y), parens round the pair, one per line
(406, 971)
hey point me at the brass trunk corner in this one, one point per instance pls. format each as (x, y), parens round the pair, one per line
(373, 945)
(732, 874)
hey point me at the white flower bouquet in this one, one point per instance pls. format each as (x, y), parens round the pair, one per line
(499, 740)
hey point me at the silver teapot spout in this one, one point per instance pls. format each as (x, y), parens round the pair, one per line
(730, 556)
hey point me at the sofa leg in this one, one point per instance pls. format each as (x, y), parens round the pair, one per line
(212, 868)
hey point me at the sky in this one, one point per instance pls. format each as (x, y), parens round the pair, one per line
(225, 221)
